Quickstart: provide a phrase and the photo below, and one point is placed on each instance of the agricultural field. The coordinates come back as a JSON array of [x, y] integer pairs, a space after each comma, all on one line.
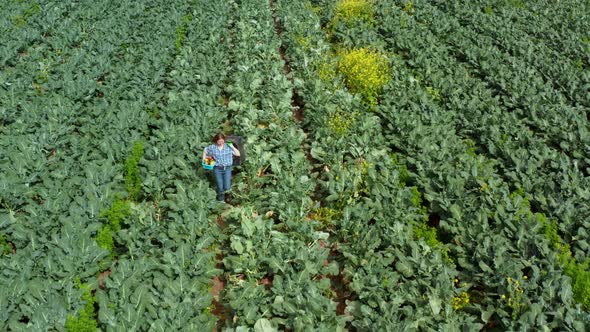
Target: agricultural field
[[411, 165]]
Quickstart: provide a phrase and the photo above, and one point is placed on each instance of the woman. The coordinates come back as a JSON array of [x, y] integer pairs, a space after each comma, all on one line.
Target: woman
[[223, 155]]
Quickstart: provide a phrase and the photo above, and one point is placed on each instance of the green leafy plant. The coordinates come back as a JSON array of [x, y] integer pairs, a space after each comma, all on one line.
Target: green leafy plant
[[580, 281], [132, 178], [434, 93], [44, 70], [104, 238], [578, 272], [514, 3], [470, 147], [408, 7], [181, 31], [429, 235], [580, 64], [119, 210], [550, 231], [325, 215], [21, 20], [404, 175], [416, 200], [303, 41], [85, 321], [522, 204], [154, 112], [422, 230], [327, 70], [362, 168], [515, 298], [5, 247]]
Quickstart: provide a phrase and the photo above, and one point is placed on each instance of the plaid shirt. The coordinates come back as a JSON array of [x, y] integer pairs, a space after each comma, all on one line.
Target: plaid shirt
[[223, 157]]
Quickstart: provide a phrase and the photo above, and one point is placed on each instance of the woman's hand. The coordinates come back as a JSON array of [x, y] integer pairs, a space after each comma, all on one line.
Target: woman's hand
[[236, 152]]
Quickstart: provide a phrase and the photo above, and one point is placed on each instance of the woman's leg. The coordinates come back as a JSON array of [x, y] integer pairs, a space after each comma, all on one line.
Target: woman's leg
[[219, 179], [227, 179]]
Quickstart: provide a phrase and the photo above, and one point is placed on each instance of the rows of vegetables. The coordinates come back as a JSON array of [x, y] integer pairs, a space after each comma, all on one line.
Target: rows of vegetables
[[467, 139], [375, 216], [273, 257], [539, 134], [410, 165], [105, 222]]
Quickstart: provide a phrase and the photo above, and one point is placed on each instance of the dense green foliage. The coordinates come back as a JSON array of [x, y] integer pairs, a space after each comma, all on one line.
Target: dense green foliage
[[181, 31], [5, 247], [412, 165], [85, 321], [104, 238], [119, 210], [580, 274], [132, 178]]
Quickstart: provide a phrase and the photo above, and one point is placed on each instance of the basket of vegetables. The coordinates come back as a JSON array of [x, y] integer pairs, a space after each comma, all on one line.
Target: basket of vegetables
[[209, 163]]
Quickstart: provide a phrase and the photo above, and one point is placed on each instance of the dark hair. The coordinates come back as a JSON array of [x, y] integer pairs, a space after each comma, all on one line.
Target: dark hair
[[217, 137]]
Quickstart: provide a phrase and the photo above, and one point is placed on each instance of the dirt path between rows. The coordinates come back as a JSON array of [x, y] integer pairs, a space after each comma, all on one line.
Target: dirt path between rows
[[218, 286]]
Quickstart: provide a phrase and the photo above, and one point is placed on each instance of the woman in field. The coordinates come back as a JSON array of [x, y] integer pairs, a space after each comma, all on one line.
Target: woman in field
[[223, 155]]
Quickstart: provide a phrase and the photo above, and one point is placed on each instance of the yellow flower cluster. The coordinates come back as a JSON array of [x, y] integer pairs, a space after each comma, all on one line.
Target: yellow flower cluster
[[340, 122], [312, 8], [408, 7], [460, 301], [515, 298], [362, 167], [365, 72], [327, 71], [303, 41], [348, 10], [325, 215], [433, 93]]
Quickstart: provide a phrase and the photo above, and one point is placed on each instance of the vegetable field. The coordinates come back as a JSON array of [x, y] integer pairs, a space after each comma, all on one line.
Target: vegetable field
[[412, 165]]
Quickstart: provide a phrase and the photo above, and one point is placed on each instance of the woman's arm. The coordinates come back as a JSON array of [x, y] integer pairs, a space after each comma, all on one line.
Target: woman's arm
[[204, 154], [235, 152]]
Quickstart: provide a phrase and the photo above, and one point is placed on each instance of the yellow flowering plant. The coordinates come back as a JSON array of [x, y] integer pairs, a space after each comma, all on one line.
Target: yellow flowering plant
[[340, 122], [325, 215], [326, 69], [349, 10], [515, 296], [460, 301], [365, 71]]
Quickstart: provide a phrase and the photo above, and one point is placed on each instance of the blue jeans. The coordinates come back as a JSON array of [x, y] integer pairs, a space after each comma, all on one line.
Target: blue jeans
[[223, 178]]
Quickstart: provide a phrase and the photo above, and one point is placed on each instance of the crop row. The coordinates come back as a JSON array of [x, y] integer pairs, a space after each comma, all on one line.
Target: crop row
[[274, 258], [166, 274]]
